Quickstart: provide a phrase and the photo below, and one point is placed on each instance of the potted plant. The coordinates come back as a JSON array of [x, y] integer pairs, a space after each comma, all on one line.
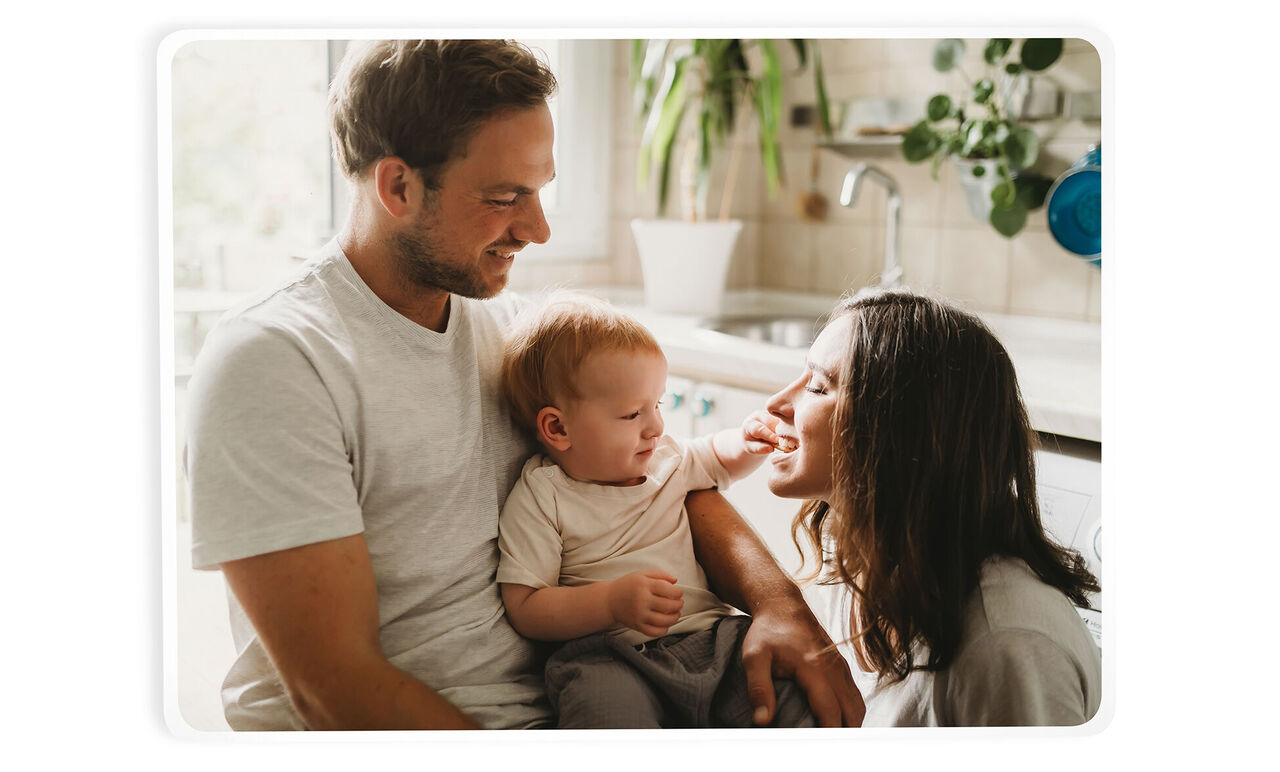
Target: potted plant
[[981, 133], [690, 95]]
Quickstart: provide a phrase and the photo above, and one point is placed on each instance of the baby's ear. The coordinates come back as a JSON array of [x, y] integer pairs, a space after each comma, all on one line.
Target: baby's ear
[[551, 429]]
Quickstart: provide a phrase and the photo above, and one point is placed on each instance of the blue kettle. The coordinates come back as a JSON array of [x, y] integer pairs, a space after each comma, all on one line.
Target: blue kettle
[[1075, 207]]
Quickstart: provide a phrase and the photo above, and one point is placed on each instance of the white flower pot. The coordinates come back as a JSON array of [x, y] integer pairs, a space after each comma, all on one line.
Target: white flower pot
[[977, 190], [685, 264]]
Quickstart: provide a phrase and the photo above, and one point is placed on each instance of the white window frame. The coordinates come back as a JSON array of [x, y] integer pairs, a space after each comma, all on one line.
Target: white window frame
[[583, 114]]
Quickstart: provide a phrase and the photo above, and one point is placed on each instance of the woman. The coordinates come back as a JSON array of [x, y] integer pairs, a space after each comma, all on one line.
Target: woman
[[914, 450]]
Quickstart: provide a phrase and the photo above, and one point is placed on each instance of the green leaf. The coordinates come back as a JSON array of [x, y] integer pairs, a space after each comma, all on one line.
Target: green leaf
[[977, 142], [939, 107], [1008, 221], [947, 54], [919, 142], [1013, 68], [647, 57], [769, 108], [982, 90], [802, 49], [996, 49], [1032, 189], [1038, 53], [820, 89], [1003, 194], [660, 129], [702, 178], [978, 171], [1021, 147]]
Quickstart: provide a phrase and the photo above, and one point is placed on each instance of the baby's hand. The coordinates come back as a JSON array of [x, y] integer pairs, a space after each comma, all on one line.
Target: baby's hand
[[758, 434], [647, 601]]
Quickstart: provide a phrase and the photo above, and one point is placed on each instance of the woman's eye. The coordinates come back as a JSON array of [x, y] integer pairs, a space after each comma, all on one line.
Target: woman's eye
[[813, 388]]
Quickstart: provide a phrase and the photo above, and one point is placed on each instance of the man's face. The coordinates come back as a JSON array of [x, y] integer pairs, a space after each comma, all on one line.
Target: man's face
[[486, 209]]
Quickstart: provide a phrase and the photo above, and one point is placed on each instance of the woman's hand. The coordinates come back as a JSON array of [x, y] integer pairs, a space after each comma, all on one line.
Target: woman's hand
[[646, 601], [758, 433]]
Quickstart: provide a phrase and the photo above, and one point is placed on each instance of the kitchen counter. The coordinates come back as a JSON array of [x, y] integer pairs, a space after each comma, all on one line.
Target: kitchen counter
[[1059, 362]]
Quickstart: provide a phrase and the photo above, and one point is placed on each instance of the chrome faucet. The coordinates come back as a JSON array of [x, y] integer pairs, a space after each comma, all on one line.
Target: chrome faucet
[[891, 276]]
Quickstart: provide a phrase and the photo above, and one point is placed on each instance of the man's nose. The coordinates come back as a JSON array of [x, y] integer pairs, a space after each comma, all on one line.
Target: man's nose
[[532, 225]]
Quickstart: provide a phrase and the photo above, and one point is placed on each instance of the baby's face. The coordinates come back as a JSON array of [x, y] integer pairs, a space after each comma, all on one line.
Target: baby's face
[[615, 426]]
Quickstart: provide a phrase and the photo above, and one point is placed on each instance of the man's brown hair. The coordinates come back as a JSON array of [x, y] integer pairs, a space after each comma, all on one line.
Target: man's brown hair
[[422, 100]]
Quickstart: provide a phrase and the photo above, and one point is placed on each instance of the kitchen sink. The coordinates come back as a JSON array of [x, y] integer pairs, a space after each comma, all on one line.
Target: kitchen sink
[[790, 331]]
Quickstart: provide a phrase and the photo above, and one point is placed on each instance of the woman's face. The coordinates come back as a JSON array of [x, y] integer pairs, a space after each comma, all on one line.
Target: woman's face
[[806, 413]]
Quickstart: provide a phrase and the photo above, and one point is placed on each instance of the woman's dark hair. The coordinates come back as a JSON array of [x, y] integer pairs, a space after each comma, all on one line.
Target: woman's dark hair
[[934, 472]]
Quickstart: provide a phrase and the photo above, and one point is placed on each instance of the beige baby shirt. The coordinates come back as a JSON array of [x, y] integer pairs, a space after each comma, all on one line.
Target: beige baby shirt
[[557, 531]]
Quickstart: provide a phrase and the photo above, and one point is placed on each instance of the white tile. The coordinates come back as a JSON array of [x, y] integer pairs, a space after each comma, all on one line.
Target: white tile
[[786, 256], [973, 266], [919, 82], [847, 257], [1045, 279], [921, 194], [919, 257], [906, 52]]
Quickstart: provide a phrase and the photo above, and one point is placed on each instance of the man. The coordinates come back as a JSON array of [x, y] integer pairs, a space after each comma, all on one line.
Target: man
[[348, 451]]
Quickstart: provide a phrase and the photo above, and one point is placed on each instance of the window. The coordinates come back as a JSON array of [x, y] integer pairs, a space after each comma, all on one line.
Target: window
[[254, 188], [577, 202]]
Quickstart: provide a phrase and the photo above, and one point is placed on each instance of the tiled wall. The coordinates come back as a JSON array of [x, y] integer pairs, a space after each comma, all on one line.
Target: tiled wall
[[943, 248]]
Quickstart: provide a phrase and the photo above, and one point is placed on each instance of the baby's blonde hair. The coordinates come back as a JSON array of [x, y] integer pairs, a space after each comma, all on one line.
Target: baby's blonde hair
[[548, 343]]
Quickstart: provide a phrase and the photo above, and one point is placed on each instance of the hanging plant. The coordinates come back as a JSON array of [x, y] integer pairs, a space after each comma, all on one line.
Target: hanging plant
[[981, 127]]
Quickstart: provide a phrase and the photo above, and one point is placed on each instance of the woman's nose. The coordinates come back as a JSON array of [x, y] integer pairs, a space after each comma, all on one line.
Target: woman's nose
[[779, 404]]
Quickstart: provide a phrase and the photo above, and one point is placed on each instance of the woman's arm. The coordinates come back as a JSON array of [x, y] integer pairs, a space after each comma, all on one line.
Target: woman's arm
[[784, 639]]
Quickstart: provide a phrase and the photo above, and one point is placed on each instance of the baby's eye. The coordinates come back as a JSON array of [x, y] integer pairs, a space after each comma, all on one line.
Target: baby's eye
[[632, 417]]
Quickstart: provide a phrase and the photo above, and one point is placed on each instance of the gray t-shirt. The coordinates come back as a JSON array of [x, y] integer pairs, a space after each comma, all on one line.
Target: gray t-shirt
[[318, 412], [1025, 659]]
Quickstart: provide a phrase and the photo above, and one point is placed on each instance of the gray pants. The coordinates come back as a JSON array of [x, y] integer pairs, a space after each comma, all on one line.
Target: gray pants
[[694, 680]]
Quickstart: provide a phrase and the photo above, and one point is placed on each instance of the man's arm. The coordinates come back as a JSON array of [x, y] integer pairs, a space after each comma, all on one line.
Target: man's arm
[[315, 609], [785, 639]]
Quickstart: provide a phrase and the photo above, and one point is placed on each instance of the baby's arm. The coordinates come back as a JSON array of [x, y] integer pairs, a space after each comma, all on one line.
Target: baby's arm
[[742, 449], [646, 601]]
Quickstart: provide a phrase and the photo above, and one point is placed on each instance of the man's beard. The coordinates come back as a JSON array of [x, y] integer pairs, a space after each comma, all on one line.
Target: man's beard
[[420, 266]]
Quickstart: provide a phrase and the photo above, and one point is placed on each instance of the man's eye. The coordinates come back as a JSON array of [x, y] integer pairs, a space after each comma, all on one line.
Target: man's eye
[[497, 202]]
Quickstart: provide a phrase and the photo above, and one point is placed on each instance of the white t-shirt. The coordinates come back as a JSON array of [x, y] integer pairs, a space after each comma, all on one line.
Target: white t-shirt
[[318, 412], [1025, 659], [556, 531]]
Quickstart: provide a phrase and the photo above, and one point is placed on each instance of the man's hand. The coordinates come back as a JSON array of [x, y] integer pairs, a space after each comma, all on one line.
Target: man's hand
[[784, 638], [787, 642], [646, 601]]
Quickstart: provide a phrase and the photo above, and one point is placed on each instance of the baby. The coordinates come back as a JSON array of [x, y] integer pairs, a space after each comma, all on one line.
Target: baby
[[594, 538]]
